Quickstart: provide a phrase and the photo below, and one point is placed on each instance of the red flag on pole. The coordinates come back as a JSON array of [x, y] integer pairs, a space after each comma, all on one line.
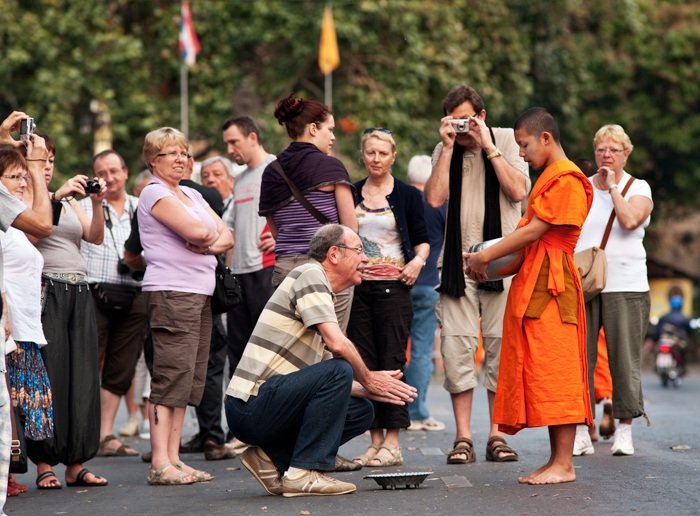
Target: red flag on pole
[[189, 44], [328, 55]]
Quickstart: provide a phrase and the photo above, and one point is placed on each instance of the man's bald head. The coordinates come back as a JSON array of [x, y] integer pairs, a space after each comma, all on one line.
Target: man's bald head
[[536, 121]]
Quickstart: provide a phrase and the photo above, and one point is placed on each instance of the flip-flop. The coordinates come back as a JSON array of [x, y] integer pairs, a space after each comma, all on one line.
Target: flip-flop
[[53, 484], [80, 480]]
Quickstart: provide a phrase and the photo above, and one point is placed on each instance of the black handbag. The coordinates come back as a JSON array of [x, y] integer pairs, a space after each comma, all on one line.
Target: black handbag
[[227, 292], [18, 449], [113, 297]]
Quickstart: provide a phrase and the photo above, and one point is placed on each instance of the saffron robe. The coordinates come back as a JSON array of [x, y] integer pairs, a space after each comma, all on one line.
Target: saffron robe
[[543, 374], [602, 381]]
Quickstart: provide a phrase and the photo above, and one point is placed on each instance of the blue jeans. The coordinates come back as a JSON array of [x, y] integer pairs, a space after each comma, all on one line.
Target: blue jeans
[[300, 419], [420, 368]]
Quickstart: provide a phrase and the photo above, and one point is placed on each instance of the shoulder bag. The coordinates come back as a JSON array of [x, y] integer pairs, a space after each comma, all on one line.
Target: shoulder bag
[[227, 291], [592, 264], [18, 449]]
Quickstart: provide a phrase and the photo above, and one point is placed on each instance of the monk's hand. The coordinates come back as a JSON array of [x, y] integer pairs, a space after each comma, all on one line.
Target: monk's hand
[[387, 387], [475, 266]]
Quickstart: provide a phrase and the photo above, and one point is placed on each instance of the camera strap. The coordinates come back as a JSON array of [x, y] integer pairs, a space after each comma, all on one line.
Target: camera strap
[[109, 224]]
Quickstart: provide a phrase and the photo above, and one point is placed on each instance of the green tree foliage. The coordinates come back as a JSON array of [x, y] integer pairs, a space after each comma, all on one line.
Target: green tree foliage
[[631, 62]]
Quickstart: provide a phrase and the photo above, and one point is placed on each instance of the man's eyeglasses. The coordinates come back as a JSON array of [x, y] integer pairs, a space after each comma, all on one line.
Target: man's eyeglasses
[[17, 177], [174, 155], [380, 129], [359, 249], [603, 150]]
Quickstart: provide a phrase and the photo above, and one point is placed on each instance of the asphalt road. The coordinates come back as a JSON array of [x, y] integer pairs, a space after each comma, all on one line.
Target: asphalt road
[[657, 480]]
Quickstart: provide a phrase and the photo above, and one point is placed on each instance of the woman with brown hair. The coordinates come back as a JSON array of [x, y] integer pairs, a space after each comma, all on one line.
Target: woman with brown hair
[[320, 178]]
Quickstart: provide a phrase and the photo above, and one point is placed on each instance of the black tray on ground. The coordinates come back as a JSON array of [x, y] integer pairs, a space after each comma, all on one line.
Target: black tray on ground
[[406, 480]]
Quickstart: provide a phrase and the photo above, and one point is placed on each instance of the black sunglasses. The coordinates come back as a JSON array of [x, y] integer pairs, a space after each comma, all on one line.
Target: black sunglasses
[[380, 129]]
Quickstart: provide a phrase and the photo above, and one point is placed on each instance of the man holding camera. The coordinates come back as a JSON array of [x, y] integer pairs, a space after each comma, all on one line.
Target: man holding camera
[[119, 307], [479, 171]]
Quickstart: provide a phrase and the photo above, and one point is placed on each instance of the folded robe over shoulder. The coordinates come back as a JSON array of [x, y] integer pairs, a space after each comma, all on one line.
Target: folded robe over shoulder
[[543, 375]]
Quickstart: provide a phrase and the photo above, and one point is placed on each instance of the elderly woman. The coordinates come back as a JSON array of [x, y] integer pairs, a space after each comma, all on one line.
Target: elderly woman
[[68, 319], [393, 233], [181, 235], [22, 265], [622, 308], [320, 178]]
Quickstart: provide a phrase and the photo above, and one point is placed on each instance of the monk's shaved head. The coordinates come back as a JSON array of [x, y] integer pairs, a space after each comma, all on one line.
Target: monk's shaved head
[[537, 120]]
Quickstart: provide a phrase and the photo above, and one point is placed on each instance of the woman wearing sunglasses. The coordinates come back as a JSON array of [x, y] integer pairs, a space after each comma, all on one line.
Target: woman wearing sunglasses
[[395, 239], [322, 180]]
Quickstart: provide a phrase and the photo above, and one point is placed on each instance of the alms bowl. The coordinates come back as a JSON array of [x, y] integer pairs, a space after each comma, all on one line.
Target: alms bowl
[[501, 267]]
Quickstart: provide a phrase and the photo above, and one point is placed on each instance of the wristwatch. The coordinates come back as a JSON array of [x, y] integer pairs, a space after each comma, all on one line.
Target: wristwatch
[[610, 188], [494, 154]]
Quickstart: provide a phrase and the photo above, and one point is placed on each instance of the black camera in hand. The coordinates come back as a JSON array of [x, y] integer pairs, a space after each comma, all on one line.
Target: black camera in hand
[[92, 186], [124, 270]]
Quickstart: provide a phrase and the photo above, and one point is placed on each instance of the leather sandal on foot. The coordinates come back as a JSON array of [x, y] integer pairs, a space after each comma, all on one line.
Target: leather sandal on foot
[[497, 445], [198, 474], [607, 423], [380, 460], [462, 446], [180, 478], [122, 451], [365, 457], [343, 464]]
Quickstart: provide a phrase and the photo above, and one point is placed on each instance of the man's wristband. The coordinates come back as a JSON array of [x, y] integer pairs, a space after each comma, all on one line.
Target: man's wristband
[[494, 154]]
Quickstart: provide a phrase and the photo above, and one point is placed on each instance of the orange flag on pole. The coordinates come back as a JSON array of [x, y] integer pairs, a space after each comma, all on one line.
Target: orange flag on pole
[[328, 56]]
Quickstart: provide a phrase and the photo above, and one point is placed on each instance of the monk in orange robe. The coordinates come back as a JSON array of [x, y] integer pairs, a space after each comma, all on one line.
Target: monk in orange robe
[[602, 391], [543, 375]]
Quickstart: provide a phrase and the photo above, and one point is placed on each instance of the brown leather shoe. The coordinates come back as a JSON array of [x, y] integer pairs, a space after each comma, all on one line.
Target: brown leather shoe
[[194, 445], [213, 451]]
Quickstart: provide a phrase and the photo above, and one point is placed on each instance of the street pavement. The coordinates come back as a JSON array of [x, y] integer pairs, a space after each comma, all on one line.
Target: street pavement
[[662, 478]]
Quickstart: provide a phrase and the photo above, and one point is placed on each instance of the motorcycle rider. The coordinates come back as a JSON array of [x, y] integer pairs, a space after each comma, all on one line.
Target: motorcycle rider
[[675, 327]]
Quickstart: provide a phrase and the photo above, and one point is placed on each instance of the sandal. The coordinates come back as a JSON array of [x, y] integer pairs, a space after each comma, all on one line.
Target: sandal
[[81, 481], [53, 481], [607, 423], [497, 445], [365, 457], [156, 478], [462, 446], [394, 459], [343, 464], [198, 474], [122, 451]]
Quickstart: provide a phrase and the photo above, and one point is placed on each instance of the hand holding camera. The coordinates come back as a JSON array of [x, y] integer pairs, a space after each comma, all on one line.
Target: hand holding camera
[[12, 123], [82, 186]]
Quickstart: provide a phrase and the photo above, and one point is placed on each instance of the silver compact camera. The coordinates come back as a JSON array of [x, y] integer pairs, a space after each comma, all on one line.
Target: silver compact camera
[[26, 129], [461, 125]]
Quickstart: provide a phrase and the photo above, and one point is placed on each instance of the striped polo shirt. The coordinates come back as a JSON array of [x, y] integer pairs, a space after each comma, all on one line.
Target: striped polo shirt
[[285, 338]]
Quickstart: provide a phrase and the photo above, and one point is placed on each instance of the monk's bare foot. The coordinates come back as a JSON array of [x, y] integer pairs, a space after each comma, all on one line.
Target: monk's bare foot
[[526, 479], [553, 475]]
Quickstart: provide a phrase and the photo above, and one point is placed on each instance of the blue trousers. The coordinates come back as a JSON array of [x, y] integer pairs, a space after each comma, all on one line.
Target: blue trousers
[[300, 419], [420, 368]]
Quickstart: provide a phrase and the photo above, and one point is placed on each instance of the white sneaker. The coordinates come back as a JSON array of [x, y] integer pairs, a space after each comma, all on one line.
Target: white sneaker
[[130, 426], [145, 430], [622, 444], [583, 444]]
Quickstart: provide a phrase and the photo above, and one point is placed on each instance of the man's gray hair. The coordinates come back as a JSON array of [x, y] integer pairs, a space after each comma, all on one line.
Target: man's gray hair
[[419, 169], [220, 159], [326, 237]]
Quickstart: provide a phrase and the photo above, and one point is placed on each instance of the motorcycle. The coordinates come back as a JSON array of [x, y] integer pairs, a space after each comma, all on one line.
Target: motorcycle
[[670, 365]]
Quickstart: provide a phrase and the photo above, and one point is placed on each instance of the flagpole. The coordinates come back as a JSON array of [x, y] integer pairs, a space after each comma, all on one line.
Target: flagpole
[[184, 99], [328, 90]]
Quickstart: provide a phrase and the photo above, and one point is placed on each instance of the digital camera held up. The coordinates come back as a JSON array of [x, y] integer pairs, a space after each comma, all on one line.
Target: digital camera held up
[[124, 270], [26, 129], [461, 125], [93, 186]]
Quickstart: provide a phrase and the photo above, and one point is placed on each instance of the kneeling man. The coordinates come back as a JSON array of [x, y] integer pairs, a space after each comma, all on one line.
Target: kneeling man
[[299, 391]]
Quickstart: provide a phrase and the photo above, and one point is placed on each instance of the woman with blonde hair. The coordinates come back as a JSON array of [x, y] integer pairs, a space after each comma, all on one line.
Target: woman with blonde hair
[[395, 239], [622, 308], [181, 235]]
